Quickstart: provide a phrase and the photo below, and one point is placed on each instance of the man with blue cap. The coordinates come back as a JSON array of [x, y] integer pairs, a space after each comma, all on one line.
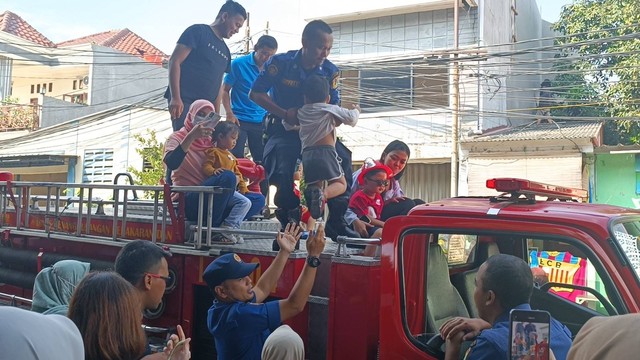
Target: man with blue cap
[[238, 319]]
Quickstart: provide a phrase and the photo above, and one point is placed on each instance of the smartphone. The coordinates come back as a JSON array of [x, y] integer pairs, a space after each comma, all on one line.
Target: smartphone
[[529, 334], [365, 219]]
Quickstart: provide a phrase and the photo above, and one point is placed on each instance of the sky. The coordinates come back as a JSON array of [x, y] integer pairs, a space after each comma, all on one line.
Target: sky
[[162, 21]]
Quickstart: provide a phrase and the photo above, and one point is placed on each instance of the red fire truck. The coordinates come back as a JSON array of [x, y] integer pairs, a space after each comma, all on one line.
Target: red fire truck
[[586, 259]]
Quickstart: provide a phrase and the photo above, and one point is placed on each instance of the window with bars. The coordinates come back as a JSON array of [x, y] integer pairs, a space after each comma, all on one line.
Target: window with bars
[[97, 166], [395, 86]]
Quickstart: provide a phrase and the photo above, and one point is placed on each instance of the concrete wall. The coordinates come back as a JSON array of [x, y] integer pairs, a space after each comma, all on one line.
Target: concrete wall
[[115, 79], [616, 180], [6, 64], [423, 31], [516, 84], [524, 82], [495, 29], [428, 135], [118, 78], [54, 110], [108, 131], [36, 77]]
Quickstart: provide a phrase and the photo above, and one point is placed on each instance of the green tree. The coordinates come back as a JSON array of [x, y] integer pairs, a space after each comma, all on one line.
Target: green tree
[[151, 151], [599, 64]]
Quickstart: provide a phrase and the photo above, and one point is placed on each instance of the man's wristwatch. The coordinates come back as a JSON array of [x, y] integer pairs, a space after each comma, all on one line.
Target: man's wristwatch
[[313, 261]]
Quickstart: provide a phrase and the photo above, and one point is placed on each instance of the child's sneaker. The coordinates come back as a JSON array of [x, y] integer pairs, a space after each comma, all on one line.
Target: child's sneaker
[[230, 236], [239, 239], [314, 197]]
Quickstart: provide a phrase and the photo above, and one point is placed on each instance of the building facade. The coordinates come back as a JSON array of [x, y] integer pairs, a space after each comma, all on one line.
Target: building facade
[[78, 77]]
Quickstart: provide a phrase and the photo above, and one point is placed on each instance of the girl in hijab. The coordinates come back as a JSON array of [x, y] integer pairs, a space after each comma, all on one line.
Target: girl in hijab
[[184, 155], [54, 286]]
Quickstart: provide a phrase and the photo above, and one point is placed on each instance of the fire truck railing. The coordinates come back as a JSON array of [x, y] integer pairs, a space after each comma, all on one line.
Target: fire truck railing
[[12, 300], [342, 241], [17, 196]]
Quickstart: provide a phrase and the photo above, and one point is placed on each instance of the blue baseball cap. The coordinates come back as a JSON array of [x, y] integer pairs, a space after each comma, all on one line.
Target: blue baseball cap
[[227, 266]]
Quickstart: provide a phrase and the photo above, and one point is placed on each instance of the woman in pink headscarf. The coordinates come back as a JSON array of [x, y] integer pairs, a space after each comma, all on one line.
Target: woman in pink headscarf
[[184, 155]]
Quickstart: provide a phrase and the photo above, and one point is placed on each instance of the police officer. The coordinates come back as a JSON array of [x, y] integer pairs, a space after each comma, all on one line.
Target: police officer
[[284, 75]]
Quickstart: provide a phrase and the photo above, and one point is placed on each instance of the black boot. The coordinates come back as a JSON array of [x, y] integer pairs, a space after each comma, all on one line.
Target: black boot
[[336, 225]]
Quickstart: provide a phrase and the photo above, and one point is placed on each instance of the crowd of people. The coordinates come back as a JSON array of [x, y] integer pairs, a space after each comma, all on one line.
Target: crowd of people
[[286, 107]]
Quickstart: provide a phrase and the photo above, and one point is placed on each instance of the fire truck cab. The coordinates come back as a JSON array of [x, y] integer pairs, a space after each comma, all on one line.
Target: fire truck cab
[[585, 258]]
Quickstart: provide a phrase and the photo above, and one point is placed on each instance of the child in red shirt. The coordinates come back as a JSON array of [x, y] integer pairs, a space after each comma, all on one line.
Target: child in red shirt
[[367, 202]]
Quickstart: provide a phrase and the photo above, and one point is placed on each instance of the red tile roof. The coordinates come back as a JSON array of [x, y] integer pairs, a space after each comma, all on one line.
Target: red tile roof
[[123, 40], [15, 25]]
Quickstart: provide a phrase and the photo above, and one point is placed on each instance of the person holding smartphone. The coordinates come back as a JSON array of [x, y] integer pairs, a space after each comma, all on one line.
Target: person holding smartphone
[[184, 156], [504, 283]]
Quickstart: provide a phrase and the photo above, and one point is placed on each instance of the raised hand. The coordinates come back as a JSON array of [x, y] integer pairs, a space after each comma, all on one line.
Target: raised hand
[[316, 241], [289, 238], [178, 347]]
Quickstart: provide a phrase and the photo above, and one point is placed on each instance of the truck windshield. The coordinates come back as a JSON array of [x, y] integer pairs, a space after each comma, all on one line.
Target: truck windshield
[[628, 236]]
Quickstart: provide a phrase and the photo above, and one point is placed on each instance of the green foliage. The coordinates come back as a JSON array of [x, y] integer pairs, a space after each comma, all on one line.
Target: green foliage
[[601, 77], [151, 151], [15, 116]]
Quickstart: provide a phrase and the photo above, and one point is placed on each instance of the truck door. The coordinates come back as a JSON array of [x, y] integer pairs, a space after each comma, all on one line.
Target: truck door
[[429, 264], [415, 281]]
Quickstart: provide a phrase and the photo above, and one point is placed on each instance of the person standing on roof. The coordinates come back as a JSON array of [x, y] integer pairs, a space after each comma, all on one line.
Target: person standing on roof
[[199, 60]]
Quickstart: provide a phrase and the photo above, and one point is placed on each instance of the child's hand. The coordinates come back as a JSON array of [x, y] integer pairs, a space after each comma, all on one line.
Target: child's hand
[[396, 199], [218, 171], [361, 227]]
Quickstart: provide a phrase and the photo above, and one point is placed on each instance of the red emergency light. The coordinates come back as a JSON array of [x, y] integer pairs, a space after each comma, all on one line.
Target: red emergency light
[[523, 186]]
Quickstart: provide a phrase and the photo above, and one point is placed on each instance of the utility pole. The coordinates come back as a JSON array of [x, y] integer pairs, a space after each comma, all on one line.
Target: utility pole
[[266, 30], [455, 123], [247, 33]]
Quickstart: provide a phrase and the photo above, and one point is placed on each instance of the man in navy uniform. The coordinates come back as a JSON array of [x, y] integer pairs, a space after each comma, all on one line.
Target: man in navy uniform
[[240, 320], [284, 75]]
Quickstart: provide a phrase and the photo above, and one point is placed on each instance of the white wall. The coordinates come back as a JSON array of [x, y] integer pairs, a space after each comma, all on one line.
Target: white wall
[[426, 134], [419, 31], [115, 79], [495, 29], [108, 130]]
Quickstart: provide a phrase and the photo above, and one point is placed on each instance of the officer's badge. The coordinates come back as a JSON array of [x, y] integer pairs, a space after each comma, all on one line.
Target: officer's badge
[[237, 258], [334, 81], [272, 70]]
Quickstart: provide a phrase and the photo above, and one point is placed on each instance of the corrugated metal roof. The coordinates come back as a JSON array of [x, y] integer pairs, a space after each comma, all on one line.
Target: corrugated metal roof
[[545, 131]]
